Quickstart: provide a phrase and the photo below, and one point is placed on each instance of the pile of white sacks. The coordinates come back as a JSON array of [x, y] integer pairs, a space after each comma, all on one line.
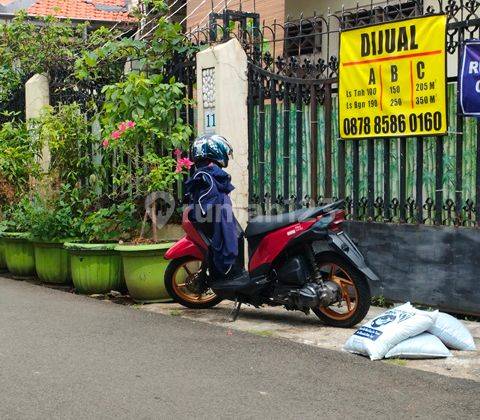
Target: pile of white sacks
[[409, 333]]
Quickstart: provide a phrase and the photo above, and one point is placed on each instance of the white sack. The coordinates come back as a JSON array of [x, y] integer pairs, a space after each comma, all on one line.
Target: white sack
[[422, 346], [377, 337], [452, 333]]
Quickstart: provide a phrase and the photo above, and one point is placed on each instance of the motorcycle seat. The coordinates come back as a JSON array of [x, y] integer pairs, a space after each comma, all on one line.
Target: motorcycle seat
[[263, 224]]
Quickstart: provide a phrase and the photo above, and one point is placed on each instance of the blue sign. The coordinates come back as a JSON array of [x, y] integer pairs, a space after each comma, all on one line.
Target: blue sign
[[470, 79]]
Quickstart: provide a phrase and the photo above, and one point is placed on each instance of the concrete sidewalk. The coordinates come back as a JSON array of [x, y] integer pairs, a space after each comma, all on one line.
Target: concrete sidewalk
[[295, 326]]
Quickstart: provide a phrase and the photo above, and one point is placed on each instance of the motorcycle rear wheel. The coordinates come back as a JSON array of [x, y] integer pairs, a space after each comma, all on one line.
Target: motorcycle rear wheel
[[180, 277], [355, 291]]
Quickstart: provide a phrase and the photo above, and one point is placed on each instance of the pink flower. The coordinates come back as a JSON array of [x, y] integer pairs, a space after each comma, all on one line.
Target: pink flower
[[116, 135], [130, 124], [185, 162], [105, 143], [122, 127], [178, 153]]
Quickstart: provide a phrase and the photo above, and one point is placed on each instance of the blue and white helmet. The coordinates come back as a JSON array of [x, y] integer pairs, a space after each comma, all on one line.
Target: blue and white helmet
[[212, 147]]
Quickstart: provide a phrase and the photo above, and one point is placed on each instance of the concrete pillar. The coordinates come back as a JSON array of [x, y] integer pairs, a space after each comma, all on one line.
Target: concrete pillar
[[222, 109], [37, 97]]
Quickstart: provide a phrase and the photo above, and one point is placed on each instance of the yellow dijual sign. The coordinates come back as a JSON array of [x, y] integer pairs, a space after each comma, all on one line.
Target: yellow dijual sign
[[393, 79]]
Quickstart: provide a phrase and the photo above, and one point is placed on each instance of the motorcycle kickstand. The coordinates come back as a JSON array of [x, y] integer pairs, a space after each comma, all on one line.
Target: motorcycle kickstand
[[233, 315]]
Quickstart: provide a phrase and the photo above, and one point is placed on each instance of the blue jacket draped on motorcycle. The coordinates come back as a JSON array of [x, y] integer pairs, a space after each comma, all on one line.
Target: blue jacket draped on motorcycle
[[208, 189]]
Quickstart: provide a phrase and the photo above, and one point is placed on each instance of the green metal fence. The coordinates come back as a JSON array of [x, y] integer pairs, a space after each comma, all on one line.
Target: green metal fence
[[429, 164]]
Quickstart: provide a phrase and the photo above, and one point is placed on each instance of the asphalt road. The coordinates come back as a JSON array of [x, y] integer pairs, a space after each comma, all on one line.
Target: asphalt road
[[64, 356]]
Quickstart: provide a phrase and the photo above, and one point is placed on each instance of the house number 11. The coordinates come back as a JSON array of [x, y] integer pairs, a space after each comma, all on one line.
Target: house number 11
[[210, 120]]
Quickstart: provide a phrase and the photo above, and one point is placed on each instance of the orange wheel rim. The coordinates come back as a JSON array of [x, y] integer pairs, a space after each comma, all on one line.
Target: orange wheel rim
[[184, 285], [348, 305]]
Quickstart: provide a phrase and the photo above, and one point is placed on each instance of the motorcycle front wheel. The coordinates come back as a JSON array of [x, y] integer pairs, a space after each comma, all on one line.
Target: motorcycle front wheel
[[182, 284], [354, 289]]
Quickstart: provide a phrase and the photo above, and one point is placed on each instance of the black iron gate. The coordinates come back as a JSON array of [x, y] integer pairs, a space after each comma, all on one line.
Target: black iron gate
[[13, 107], [287, 98], [296, 158]]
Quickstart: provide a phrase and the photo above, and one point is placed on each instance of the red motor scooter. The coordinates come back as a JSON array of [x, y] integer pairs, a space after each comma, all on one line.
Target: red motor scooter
[[302, 260]]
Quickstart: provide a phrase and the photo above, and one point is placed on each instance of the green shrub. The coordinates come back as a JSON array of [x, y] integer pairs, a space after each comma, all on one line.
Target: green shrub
[[18, 217], [54, 220], [111, 224], [68, 134], [19, 153]]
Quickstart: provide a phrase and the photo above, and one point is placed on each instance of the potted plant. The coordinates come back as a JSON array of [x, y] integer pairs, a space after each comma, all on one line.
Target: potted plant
[[96, 267], [18, 248], [77, 191], [161, 132], [141, 127], [19, 254], [54, 222], [18, 166]]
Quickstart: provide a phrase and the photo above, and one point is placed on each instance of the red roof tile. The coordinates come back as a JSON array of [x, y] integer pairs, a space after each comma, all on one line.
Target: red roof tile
[[89, 10]]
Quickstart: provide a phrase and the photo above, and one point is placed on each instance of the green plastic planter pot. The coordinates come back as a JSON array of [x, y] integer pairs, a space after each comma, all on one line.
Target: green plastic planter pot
[[52, 262], [144, 268], [19, 254], [95, 268], [3, 261]]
